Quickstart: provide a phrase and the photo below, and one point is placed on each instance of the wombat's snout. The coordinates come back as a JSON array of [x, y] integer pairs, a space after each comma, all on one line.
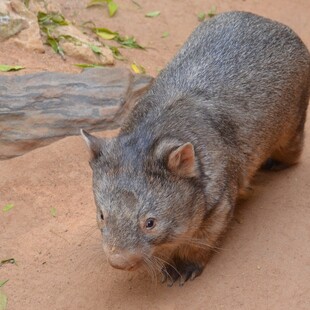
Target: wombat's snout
[[125, 261]]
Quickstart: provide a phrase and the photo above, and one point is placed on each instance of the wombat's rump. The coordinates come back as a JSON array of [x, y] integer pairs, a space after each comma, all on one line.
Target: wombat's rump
[[233, 98]]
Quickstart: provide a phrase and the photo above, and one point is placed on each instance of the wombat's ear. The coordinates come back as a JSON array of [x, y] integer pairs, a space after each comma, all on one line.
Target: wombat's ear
[[182, 161], [94, 144]]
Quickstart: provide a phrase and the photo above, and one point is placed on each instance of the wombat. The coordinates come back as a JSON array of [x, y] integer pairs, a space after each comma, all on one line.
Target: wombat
[[233, 99]]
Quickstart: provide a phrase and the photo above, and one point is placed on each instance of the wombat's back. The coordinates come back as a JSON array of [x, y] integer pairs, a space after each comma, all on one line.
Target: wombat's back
[[249, 69], [244, 83], [237, 54]]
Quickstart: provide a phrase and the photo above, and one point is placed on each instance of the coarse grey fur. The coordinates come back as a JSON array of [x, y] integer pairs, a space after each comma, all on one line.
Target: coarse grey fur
[[234, 97]]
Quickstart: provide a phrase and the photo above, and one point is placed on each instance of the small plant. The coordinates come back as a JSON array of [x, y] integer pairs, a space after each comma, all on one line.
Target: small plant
[[10, 206], [7, 68], [165, 34], [152, 14], [124, 41], [47, 23], [112, 6], [136, 68], [211, 13]]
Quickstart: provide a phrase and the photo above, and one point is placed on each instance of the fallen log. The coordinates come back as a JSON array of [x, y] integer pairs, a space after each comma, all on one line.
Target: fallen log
[[38, 109]]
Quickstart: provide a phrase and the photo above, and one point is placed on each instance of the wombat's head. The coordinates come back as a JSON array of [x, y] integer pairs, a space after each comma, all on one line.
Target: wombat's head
[[147, 194]]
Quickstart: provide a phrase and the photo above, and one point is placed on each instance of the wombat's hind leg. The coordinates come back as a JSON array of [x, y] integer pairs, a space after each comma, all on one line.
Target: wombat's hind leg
[[286, 156]]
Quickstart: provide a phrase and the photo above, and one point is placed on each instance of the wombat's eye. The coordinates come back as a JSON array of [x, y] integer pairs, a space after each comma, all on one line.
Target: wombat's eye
[[101, 216], [150, 223]]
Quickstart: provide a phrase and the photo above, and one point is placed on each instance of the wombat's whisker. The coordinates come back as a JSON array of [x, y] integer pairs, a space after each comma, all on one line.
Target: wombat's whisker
[[197, 243], [158, 264], [165, 263], [150, 267], [89, 234]]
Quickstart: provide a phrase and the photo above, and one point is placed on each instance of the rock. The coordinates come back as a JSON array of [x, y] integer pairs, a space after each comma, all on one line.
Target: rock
[[83, 54], [20, 24], [80, 49], [40, 108], [22, 28], [36, 6], [10, 26]]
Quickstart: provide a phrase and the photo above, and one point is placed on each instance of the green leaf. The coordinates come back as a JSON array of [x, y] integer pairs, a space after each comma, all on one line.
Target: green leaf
[[125, 41], [26, 2], [112, 7], [152, 14], [48, 22], [212, 11], [201, 16], [8, 261], [165, 34], [105, 33], [137, 68], [7, 68], [116, 53], [129, 42], [68, 38], [95, 49], [53, 212], [3, 301], [53, 42], [3, 282], [51, 19], [8, 207], [42, 17], [96, 2], [88, 66]]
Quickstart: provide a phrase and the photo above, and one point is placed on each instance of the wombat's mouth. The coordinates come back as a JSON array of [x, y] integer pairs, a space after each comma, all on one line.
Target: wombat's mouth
[[135, 267], [129, 267], [123, 262]]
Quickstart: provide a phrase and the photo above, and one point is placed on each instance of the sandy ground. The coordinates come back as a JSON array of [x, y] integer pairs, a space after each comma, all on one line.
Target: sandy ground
[[264, 262]]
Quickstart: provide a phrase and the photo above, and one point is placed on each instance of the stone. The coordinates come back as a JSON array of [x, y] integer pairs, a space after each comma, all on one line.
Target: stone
[[21, 27], [83, 54], [19, 24], [37, 109], [36, 6], [10, 26], [80, 49]]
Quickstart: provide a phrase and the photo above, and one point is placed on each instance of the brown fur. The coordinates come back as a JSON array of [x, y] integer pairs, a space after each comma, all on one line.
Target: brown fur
[[232, 100]]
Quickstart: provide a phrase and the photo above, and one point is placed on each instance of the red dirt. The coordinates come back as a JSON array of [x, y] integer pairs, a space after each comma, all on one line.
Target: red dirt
[[264, 262]]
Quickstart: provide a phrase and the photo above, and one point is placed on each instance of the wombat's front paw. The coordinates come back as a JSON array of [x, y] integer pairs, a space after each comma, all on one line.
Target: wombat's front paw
[[181, 271]]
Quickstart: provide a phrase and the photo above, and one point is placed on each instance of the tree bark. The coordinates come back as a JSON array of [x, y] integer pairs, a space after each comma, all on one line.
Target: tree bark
[[37, 109]]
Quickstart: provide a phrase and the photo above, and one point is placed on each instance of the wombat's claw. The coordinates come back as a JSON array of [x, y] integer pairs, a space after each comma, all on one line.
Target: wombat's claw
[[182, 272], [190, 273], [170, 275]]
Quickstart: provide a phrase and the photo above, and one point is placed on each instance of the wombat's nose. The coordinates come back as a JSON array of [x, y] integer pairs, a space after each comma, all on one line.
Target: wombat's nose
[[125, 261]]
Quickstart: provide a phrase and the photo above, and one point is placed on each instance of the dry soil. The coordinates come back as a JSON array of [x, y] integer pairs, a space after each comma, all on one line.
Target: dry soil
[[264, 262]]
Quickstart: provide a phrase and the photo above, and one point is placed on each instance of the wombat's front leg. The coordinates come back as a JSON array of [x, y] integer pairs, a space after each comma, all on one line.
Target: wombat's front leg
[[184, 268], [188, 260]]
